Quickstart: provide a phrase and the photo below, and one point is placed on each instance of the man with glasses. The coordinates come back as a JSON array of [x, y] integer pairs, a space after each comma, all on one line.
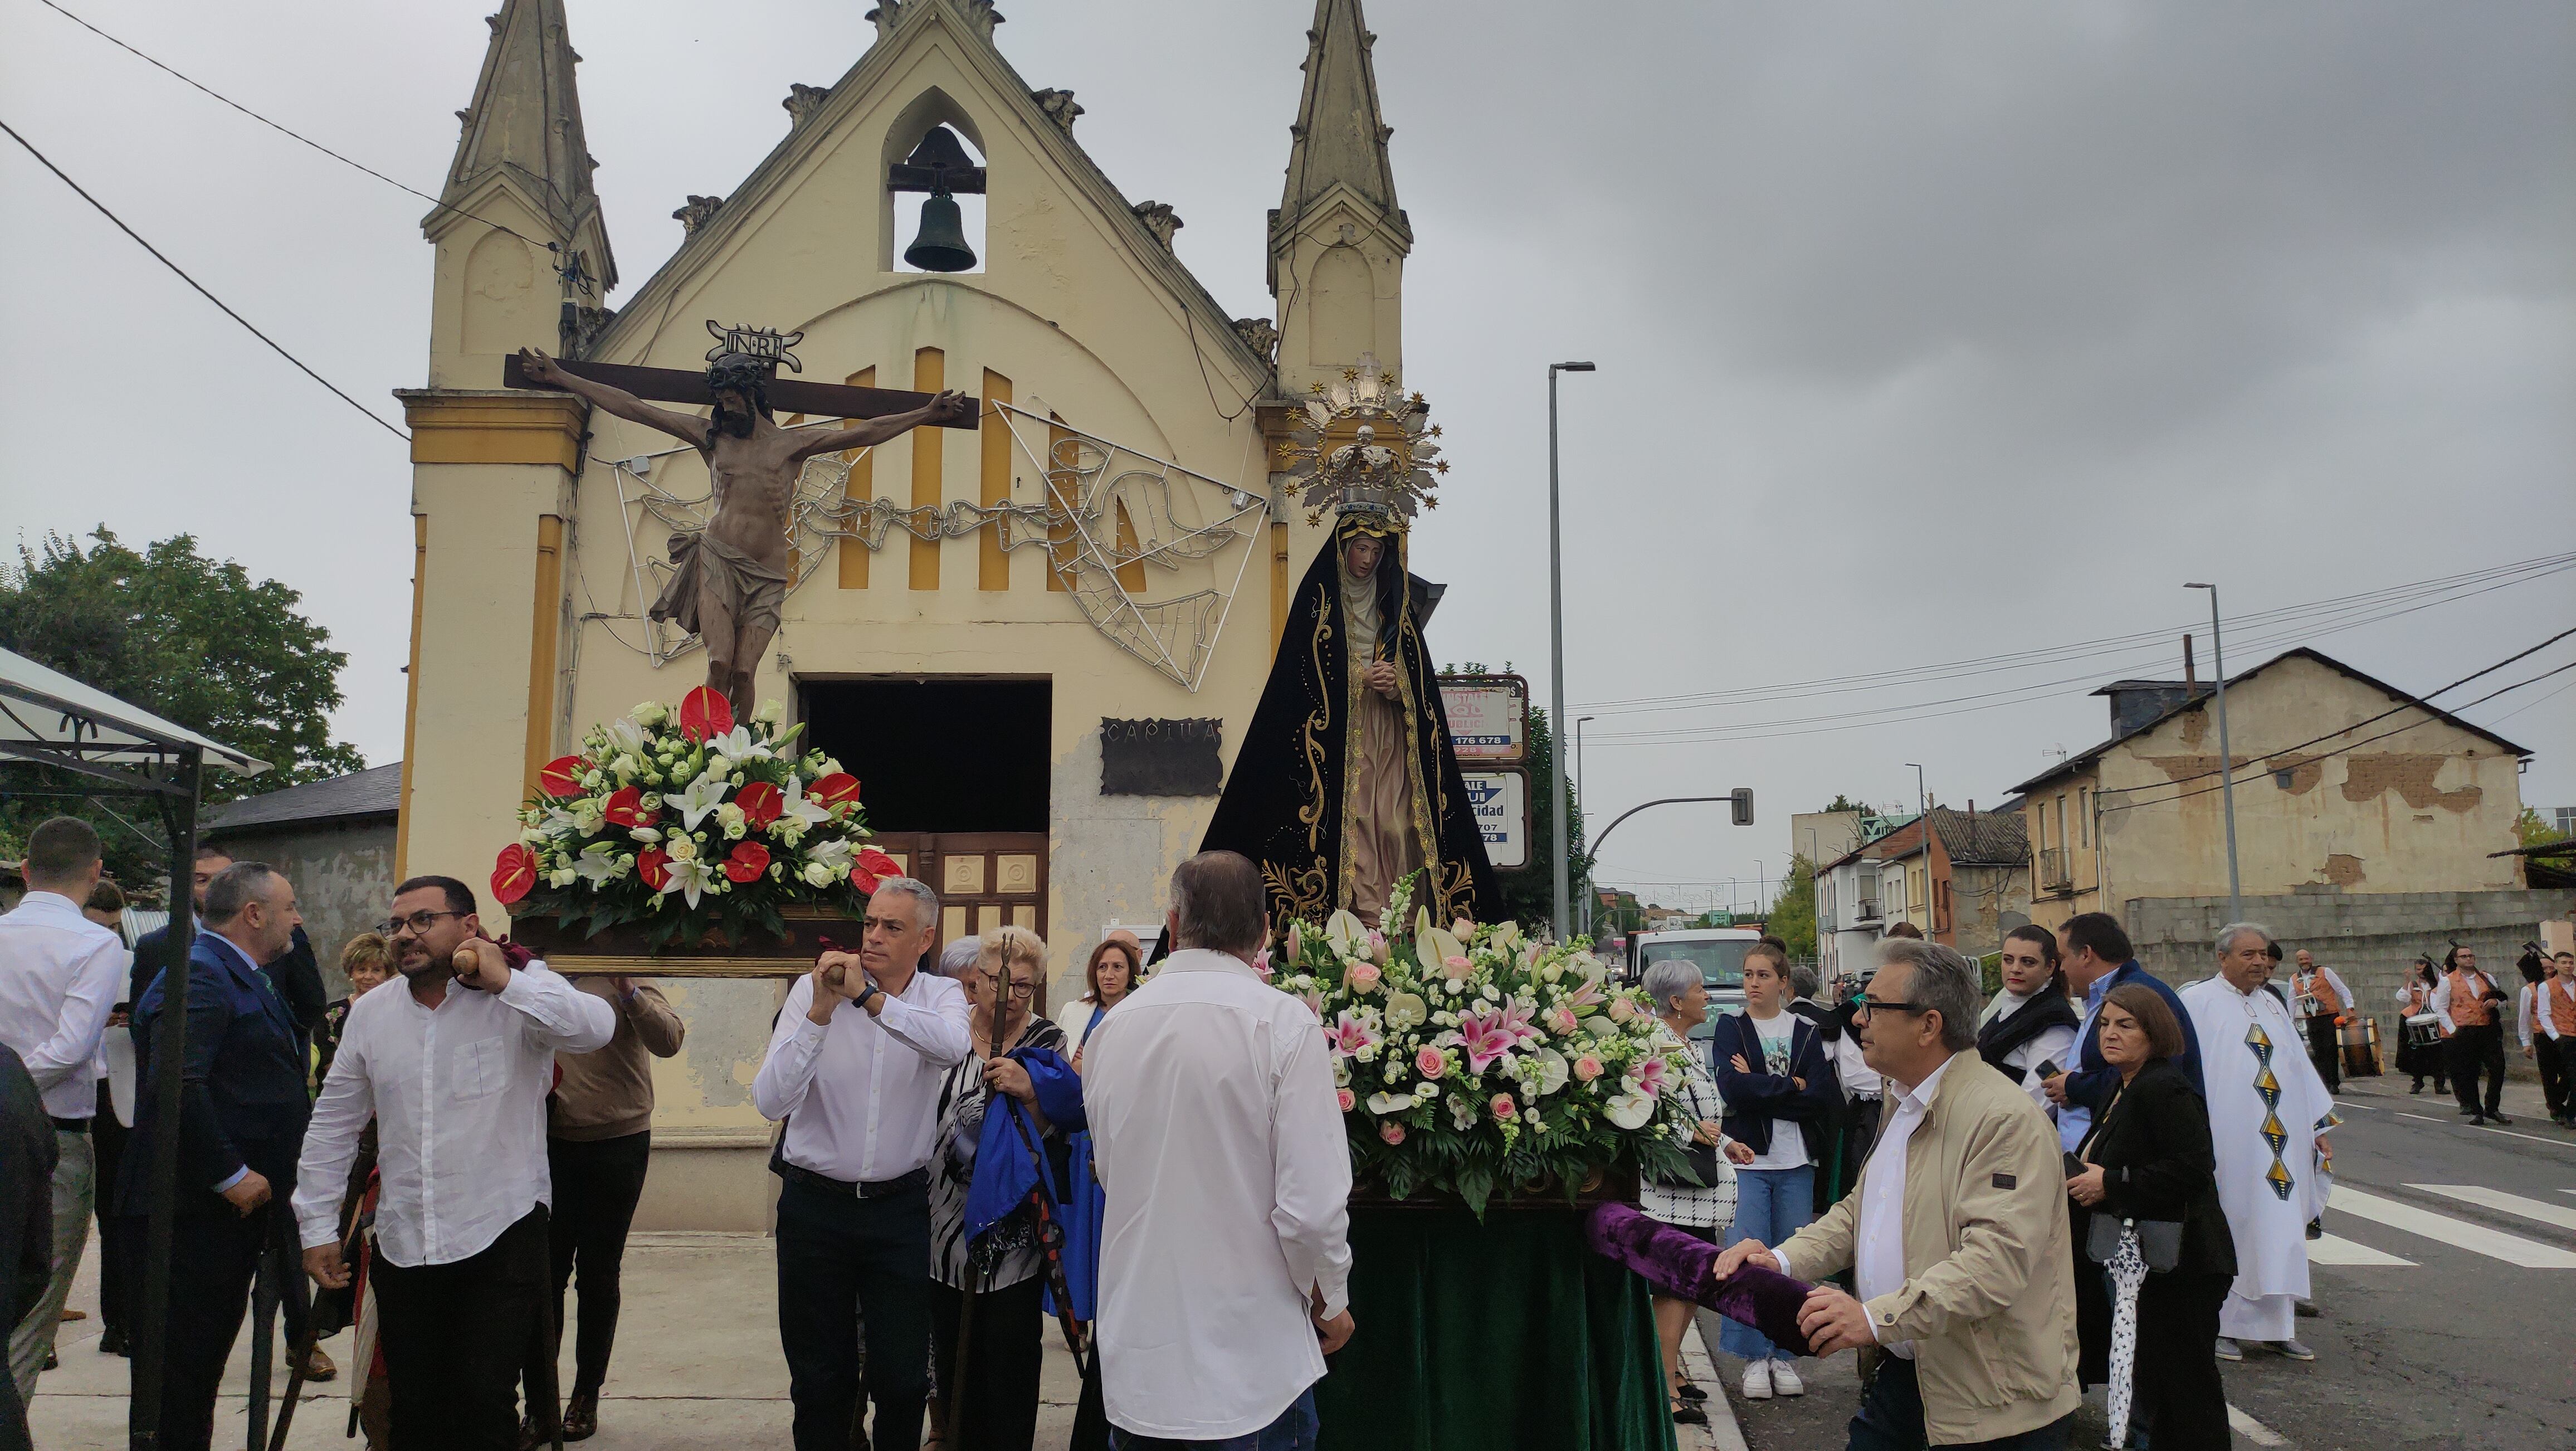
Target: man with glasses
[[854, 1067], [455, 1069], [1956, 1234]]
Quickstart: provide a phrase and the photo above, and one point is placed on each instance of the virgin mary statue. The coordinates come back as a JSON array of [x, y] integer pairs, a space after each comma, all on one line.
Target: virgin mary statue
[[1346, 782]]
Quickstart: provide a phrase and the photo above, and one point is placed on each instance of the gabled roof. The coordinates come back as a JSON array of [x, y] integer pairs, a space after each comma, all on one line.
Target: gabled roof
[[1982, 838], [2078, 762], [376, 791], [974, 39]]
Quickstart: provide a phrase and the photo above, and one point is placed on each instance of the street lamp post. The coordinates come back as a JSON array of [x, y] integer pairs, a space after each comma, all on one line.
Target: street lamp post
[[1588, 893], [1923, 814], [2226, 757], [1556, 653]]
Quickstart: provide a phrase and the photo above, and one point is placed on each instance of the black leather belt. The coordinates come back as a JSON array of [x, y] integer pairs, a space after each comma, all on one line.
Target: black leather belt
[[71, 1125], [918, 1179]]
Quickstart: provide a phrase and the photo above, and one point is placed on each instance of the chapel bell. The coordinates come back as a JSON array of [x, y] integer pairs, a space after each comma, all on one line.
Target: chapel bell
[[941, 167]]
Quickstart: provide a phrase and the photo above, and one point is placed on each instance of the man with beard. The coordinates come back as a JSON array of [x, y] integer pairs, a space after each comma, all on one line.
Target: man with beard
[[454, 1069], [731, 578]]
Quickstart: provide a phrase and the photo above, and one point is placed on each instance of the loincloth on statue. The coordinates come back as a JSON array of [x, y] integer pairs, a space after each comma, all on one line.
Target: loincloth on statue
[[756, 590]]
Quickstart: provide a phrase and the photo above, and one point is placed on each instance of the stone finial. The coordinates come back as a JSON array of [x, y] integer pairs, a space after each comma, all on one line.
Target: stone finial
[[1159, 219], [1058, 106], [802, 102], [887, 15], [982, 15], [1259, 334], [695, 214]]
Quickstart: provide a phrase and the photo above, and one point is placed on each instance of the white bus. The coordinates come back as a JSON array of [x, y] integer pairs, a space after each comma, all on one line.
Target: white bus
[[1718, 953]]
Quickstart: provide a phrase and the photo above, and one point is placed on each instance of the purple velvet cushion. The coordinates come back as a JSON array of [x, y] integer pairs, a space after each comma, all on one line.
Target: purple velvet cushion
[[1678, 1265]]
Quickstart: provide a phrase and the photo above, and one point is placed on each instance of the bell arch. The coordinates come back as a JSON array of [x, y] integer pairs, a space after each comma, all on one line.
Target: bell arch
[[899, 213]]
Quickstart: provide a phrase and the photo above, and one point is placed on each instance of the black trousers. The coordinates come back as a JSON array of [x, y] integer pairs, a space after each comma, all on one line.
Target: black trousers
[[1891, 1418], [2325, 1051], [212, 1261], [2181, 1403], [844, 1262], [597, 1184], [1006, 1347], [2474, 1050], [2556, 1057], [455, 1337], [119, 1277]]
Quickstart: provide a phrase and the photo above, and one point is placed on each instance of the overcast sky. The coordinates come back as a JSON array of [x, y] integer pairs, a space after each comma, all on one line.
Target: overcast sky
[[1926, 334]]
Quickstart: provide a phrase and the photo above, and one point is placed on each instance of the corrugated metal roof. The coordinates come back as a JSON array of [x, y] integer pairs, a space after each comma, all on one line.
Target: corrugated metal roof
[[376, 791]]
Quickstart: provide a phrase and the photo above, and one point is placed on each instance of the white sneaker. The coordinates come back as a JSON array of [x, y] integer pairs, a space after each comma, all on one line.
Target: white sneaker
[[1757, 1380], [1784, 1381]]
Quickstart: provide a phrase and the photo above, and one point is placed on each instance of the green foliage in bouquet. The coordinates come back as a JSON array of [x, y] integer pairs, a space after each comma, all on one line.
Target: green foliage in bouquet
[[1476, 1061], [687, 821]]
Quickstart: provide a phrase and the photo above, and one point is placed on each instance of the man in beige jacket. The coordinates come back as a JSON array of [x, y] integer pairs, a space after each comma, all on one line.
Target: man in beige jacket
[[1956, 1234]]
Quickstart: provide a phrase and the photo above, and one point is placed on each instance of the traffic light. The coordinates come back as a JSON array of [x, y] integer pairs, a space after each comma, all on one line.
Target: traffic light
[[1742, 799]]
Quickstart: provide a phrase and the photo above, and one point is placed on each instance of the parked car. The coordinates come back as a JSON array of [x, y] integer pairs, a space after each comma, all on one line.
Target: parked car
[[1718, 953]]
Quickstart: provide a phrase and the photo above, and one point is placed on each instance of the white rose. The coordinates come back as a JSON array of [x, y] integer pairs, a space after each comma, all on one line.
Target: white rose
[[770, 713], [717, 766], [682, 849], [563, 878], [650, 713], [817, 875]]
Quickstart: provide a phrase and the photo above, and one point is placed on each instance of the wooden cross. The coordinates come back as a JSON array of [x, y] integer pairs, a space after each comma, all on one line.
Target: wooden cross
[[786, 395]]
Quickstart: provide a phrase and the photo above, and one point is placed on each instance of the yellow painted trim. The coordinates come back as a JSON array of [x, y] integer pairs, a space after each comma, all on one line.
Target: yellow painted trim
[[543, 629], [494, 428], [929, 452], [1278, 586], [411, 690], [859, 488], [992, 562]]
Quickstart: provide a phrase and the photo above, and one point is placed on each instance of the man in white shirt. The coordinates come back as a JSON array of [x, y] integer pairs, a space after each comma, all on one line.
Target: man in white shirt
[[455, 1069], [60, 974], [854, 1067], [1224, 1252], [1956, 1234], [2322, 1002]]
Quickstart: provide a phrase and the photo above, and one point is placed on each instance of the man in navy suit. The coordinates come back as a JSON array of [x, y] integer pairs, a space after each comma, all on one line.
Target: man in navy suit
[[2096, 956], [241, 1127]]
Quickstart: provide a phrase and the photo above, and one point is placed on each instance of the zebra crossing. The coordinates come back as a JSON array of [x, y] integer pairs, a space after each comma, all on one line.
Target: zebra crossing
[[2521, 1251]]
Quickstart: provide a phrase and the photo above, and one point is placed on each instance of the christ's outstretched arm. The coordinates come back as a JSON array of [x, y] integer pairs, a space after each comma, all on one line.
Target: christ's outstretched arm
[[869, 432], [542, 370]]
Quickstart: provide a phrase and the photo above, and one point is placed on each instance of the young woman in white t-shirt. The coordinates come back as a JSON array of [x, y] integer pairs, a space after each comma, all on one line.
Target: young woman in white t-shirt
[[1779, 1089]]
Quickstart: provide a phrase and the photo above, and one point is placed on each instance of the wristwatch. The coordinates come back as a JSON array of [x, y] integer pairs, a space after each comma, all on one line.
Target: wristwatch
[[870, 991]]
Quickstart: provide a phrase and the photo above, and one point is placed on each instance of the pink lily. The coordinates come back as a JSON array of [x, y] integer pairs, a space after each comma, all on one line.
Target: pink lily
[[1483, 1037], [1349, 1033], [1650, 1077], [1514, 1019]]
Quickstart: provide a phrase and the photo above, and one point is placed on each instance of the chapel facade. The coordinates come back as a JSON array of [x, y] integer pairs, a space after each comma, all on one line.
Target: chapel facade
[[976, 617]]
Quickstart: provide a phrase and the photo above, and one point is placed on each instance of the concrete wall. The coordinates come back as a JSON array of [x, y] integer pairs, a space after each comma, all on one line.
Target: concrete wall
[[1980, 898], [343, 874], [2371, 939]]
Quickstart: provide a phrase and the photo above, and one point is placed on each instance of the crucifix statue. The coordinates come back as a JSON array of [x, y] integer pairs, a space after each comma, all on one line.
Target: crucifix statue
[[732, 577]]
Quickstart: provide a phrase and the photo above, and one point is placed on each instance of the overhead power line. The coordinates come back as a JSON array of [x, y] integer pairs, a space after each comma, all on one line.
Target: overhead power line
[[157, 256], [288, 132]]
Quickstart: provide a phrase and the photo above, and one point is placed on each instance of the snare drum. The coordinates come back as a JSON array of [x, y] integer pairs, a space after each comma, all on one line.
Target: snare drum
[[2424, 1030]]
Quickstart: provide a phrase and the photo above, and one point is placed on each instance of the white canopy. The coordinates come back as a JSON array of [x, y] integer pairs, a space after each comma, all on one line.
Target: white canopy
[[50, 718]]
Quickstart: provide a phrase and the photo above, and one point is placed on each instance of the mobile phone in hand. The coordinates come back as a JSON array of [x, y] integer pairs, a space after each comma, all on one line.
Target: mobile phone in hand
[[2048, 1069]]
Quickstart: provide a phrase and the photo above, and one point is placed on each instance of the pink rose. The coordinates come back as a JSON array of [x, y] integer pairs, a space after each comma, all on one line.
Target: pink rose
[[1621, 1010], [1562, 1020], [1462, 929], [1347, 1098], [1587, 1068], [1392, 1133], [1502, 1106], [1363, 977], [1457, 967], [1429, 1061]]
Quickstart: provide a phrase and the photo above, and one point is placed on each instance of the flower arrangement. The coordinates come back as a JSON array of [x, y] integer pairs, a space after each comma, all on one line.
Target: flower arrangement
[[1471, 1058], [686, 804]]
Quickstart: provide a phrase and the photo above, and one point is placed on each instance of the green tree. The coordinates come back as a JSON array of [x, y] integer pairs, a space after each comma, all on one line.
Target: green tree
[[1792, 917], [1842, 802], [192, 639], [2534, 829]]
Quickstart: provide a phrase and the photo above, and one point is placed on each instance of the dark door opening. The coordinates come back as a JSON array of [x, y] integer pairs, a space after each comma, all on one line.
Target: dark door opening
[[939, 755]]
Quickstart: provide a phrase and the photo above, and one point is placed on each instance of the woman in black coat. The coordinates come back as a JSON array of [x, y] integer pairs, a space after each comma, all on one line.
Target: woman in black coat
[[2148, 1156]]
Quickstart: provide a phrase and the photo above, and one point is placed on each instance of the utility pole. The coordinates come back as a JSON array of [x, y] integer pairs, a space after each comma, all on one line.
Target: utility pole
[[1923, 810], [1556, 650], [2226, 758], [1590, 894]]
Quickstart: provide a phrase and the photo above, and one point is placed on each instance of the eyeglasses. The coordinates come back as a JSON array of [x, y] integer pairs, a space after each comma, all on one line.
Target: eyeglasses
[[1863, 1006], [1018, 989], [418, 923]]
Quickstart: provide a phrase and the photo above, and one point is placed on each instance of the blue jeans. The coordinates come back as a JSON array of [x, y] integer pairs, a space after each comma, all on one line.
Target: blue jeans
[[1770, 1205], [1891, 1418], [1295, 1430]]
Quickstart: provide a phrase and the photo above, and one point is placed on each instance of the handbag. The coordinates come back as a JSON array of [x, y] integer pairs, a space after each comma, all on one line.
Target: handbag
[[1703, 1165], [2159, 1241]]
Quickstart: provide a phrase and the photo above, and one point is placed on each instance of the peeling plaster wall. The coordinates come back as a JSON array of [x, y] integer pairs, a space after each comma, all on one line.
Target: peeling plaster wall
[[343, 875], [2414, 812]]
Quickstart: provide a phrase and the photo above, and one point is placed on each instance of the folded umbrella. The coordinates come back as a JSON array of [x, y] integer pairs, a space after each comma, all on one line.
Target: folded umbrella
[[1004, 1174], [1678, 1264]]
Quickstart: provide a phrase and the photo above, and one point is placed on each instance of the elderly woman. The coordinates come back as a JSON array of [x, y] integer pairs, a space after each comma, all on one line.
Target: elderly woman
[[1005, 1268], [1703, 1210]]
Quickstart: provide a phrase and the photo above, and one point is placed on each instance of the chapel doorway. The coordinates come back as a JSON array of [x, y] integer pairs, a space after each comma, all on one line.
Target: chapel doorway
[[953, 772]]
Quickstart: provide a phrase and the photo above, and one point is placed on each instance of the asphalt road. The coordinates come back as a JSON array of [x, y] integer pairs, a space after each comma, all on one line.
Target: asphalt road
[[2448, 1319]]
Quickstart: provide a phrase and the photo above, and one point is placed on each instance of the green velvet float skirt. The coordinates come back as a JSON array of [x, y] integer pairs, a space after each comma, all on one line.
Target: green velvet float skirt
[[1489, 1337]]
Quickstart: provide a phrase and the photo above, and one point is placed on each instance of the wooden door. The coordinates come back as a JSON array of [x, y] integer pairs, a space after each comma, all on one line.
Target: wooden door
[[985, 879]]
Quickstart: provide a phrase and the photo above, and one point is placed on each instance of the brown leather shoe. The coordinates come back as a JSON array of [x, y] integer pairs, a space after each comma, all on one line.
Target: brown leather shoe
[[581, 1417], [320, 1367]]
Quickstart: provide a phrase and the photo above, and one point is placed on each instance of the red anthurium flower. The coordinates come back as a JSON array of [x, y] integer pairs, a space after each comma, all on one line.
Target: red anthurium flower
[[838, 789], [653, 867], [514, 873], [748, 861], [863, 879], [877, 864], [625, 807], [562, 776], [703, 713], [760, 803]]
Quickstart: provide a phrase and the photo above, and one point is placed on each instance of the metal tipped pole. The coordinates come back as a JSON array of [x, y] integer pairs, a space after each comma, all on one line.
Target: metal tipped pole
[[1561, 915]]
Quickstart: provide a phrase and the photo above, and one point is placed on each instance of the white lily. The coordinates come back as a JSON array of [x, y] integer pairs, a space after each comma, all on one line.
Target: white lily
[[689, 878], [702, 797], [598, 863], [798, 807], [736, 745]]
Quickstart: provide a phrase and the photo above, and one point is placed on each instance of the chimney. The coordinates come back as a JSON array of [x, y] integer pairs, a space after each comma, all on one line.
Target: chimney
[[2190, 675], [1972, 806]]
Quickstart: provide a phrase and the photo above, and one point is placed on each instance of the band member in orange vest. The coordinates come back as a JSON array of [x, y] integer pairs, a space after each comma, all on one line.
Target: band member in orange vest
[[2326, 1005], [2555, 1046], [2468, 1002]]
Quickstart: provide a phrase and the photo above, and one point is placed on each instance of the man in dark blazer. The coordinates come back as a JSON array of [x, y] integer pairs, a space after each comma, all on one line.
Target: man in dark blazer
[[27, 1153], [242, 1113]]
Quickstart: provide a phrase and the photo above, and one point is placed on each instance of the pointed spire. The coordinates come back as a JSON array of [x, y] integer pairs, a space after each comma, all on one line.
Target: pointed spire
[[525, 125], [1339, 136]]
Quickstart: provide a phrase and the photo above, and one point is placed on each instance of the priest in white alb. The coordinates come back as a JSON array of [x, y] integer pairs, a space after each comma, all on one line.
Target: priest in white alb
[[2268, 1111]]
